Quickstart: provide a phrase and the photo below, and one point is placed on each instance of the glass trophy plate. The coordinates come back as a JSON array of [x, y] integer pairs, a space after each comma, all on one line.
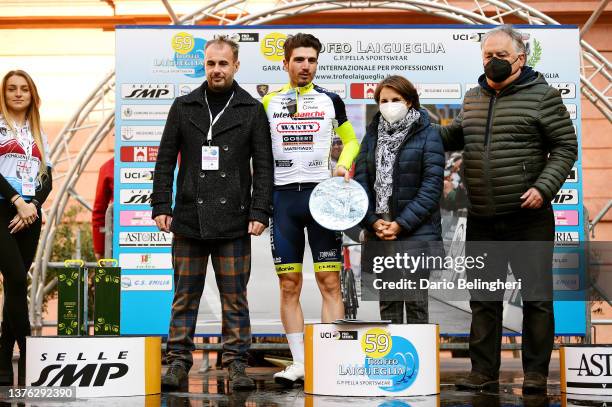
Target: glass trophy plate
[[338, 205]]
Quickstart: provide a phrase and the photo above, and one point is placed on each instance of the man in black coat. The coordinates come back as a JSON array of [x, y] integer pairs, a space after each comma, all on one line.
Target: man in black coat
[[215, 210]]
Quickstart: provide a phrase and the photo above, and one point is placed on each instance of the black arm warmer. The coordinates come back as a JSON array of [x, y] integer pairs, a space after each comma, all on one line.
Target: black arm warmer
[[6, 189]]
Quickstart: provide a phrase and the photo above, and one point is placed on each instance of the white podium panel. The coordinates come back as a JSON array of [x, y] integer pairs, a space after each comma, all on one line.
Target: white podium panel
[[586, 369], [96, 366], [371, 360]]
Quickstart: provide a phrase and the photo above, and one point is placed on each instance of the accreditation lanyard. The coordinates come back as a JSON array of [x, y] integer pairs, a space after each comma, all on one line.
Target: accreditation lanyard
[[213, 121], [28, 187], [210, 154]]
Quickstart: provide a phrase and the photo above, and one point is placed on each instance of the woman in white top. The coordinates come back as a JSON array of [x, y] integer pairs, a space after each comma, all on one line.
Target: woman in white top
[[25, 183]]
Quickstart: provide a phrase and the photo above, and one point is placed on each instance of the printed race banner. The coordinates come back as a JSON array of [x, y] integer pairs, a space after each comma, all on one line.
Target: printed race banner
[[155, 64]]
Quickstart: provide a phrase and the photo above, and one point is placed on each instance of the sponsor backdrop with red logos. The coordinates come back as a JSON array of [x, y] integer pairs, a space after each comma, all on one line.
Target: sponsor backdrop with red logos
[[442, 61]]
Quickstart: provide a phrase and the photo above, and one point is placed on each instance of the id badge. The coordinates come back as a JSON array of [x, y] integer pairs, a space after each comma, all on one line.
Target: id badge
[[210, 158], [28, 187]]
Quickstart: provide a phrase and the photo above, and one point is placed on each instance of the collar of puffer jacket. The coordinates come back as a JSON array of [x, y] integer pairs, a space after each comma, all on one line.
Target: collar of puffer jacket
[[527, 78]]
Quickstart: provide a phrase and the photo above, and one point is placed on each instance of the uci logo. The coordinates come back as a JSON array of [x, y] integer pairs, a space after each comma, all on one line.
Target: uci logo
[[330, 335]]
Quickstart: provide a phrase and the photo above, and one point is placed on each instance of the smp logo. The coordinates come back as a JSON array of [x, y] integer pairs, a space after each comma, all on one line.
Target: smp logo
[[566, 197], [566, 89], [97, 373], [147, 91], [135, 196]]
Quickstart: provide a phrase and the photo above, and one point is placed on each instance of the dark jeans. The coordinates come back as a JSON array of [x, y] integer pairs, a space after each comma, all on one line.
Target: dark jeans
[[534, 268]]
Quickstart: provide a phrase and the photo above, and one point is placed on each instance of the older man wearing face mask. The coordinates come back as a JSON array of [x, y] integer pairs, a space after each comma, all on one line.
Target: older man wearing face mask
[[519, 146]]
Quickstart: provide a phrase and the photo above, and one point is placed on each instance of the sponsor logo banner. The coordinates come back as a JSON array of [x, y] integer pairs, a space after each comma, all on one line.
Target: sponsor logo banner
[[135, 196], [363, 90], [135, 218], [145, 261], [144, 112], [137, 175], [587, 371], [567, 239], [567, 90], [425, 90], [141, 133], [298, 127], [187, 88], [297, 143], [566, 218], [156, 282], [148, 239], [566, 282], [566, 260], [283, 163], [573, 175], [147, 91], [438, 90], [94, 366], [139, 154], [566, 197]]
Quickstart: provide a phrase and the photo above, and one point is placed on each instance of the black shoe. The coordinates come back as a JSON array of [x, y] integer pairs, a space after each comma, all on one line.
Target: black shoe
[[238, 378], [175, 377], [534, 383], [478, 381]]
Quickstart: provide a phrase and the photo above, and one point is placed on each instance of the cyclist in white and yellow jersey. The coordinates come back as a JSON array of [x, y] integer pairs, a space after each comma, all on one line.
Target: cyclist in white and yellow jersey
[[303, 119]]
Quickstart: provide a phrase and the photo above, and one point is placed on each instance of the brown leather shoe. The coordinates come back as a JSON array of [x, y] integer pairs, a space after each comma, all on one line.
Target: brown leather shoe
[[479, 382], [534, 383]]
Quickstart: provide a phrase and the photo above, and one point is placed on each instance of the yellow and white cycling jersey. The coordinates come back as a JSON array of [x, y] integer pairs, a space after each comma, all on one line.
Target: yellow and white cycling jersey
[[302, 123]]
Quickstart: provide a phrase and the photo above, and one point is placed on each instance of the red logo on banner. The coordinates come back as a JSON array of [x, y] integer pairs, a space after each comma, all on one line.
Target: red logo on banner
[[140, 154], [362, 90]]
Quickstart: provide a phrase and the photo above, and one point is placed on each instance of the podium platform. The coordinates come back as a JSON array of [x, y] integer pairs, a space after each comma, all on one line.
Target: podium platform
[[371, 359]]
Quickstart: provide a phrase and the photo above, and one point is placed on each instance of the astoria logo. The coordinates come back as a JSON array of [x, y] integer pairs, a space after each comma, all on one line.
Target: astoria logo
[[597, 365]]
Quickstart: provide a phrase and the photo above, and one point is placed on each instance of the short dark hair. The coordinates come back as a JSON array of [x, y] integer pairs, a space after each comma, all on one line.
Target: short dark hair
[[223, 40], [301, 40], [402, 86]]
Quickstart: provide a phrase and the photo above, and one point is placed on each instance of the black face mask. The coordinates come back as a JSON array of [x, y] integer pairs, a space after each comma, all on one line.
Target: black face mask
[[498, 70]]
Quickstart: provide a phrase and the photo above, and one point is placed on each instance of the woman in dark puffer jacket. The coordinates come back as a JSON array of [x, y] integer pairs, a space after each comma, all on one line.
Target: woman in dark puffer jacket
[[401, 167]]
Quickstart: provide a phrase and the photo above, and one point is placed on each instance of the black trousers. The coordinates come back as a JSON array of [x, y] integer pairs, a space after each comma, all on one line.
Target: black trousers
[[17, 253], [532, 263]]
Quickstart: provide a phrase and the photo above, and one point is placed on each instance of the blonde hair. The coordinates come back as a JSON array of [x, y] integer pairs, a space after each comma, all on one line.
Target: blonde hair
[[32, 115]]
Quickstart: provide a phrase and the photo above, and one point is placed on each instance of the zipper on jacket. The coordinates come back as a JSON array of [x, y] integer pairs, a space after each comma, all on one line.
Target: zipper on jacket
[[486, 161], [487, 140]]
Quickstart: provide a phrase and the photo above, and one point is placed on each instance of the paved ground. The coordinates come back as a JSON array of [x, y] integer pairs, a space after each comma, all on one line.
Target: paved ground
[[211, 389]]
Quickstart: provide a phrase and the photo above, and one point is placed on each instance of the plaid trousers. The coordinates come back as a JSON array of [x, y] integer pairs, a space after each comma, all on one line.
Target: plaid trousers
[[231, 260]]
